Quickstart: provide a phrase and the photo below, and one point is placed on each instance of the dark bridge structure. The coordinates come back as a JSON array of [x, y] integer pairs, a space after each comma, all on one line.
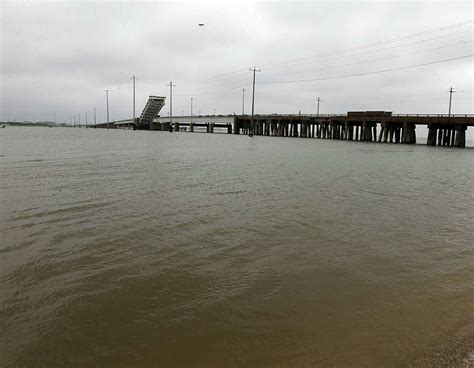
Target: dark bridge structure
[[369, 126]]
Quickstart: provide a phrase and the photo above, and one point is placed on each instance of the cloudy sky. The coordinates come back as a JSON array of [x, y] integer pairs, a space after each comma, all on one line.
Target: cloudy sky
[[58, 58]]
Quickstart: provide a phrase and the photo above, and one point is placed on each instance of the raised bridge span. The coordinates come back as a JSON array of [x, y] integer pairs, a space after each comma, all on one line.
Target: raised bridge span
[[368, 126]]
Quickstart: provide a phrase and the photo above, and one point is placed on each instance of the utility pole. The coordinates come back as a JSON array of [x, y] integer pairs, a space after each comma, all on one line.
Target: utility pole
[[191, 112], [171, 85], [450, 98], [107, 97], [253, 101], [317, 114], [243, 100], [134, 78], [95, 121], [86, 119], [54, 113]]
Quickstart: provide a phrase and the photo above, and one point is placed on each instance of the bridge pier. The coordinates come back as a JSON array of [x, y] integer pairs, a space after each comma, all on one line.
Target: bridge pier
[[350, 131], [408, 134], [237, 126], [366, 131], [460, 140], [446, 135], [432, 131]]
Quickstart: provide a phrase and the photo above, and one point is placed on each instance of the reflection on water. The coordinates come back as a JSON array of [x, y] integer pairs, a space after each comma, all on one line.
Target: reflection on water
[[122, 248]]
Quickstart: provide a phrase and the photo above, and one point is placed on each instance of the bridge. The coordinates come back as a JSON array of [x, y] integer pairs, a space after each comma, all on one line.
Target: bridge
[[368, 126], [443, 130]]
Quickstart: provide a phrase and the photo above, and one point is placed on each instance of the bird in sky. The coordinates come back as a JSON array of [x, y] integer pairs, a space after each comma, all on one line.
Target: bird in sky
[[201, 24]]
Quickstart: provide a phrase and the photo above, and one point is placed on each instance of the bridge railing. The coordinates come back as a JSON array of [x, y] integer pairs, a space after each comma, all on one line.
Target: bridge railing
[[436, 115], [369, 115]]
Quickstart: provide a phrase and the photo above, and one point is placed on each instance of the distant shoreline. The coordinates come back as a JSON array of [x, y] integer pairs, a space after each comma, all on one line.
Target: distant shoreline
[[30, 124]]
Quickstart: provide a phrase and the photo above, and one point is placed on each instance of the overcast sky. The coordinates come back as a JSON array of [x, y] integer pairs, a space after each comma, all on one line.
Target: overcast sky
[[57, 58]]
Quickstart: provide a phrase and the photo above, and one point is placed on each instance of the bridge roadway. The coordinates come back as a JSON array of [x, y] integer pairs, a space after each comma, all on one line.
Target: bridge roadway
[[443, 130]]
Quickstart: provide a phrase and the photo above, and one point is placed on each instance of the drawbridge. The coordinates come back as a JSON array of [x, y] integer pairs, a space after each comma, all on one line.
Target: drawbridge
[[150, 111]]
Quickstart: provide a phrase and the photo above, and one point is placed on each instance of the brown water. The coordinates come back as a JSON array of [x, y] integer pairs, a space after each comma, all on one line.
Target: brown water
[[122, 248]]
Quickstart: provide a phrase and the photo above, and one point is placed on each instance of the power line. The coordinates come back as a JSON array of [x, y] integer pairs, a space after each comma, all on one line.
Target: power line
[[242, 72], [371, 51], [455, 25], [238, 73], [279, 66], [386, 97], [377, 97], [215, 91], [367, 73], [370, 60]]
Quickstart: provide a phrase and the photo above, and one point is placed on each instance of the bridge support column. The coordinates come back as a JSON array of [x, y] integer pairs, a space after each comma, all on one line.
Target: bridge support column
[[366, 132], [408, 134], [382, 130], [350, 131], [295, 129], [460, 140], [397, 134], [386, 132], [447, 137], [308, 130], [237, 125], [440, 135], [432, 131]]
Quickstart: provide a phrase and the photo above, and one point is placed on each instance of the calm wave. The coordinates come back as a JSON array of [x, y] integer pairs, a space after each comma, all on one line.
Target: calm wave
[[123, 248]]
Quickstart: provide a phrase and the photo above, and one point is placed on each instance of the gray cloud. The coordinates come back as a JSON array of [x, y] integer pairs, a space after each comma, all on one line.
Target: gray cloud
[[62, 56]]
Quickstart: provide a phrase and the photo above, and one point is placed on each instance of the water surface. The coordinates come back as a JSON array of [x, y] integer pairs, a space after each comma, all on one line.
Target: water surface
[[123, 248]]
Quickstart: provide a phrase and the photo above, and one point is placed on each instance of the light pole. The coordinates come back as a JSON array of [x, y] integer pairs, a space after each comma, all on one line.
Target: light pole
[[134, 78], [253, 100], [191, 126], [450, 98], [171, 85], [107, 98]]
